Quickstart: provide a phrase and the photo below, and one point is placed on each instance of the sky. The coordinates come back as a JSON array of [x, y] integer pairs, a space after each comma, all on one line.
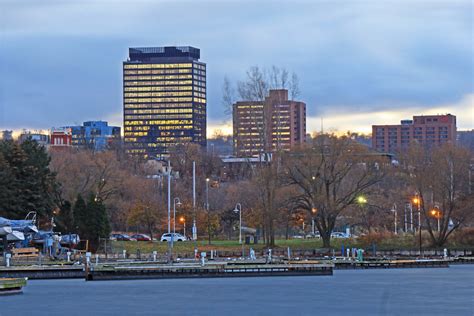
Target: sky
[[359, 62]]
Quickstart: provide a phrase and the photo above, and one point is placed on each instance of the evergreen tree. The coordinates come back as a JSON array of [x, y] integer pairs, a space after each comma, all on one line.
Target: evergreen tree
[[80, 217], [27, 183]]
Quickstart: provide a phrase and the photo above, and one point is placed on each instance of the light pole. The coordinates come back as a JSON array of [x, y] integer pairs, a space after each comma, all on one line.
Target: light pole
[[394, 210], [183, 221], [208, 215], [178, 202], [417, 202], [238, 208], [313, 211]]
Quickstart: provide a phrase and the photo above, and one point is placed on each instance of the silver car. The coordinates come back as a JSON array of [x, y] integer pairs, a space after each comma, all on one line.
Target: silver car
[[176, 237]]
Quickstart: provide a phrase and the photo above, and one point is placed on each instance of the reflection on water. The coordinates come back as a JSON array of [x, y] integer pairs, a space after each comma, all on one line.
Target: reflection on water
[[436, 291]]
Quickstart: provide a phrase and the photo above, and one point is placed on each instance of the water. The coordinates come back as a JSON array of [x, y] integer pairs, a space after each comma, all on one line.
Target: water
[[435, 291]]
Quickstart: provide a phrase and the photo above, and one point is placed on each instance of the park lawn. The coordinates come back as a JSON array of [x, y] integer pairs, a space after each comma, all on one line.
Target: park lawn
[[399, 242]]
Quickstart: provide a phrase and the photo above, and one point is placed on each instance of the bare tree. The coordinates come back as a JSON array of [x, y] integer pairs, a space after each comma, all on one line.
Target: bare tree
[[331, 174], [439, 177]]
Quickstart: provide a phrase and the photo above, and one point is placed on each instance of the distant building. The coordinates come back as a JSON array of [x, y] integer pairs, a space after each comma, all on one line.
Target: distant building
[[164, 100], [38, 136], [429, 130], [60, 138], [265, 126], [466, 139], [7, 135], [96, 135]]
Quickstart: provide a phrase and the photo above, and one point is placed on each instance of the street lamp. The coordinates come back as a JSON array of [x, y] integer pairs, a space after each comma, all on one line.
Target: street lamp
[[417, 201], [176, 201], [238, 209], [313, 211], [182, 220], [436, 213], [394, 210], [361, 199]]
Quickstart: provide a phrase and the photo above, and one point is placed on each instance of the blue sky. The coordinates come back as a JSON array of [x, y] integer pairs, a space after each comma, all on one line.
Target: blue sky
[[359, 62]]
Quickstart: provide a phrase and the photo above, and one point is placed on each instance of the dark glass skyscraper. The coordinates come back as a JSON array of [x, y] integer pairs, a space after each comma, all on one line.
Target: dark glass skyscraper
[[164, 99]]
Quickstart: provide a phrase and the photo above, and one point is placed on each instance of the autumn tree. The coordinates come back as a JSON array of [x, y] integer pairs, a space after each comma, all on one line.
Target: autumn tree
[[331, 173], [440, 179]]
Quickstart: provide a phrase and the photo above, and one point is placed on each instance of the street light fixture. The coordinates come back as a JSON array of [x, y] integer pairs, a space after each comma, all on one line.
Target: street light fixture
[[182, 220], [238, 208], [176, 201], [313, 211]]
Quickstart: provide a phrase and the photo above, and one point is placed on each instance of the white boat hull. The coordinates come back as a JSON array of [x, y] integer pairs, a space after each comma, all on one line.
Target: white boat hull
[[15, 236], [5, 230]]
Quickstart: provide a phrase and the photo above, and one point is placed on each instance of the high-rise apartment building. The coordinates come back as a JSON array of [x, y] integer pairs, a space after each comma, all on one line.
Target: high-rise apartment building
[[429, 130], [164, 99], [265, 126]]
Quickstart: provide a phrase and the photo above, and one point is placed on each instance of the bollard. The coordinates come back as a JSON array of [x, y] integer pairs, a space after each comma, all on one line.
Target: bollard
[[348, 252], [124, 253], [68, 256], [269, 255], [289, 253], [203, 258], [212, 254], [154, 255], [7, 259], [96, 259], [445, 253]]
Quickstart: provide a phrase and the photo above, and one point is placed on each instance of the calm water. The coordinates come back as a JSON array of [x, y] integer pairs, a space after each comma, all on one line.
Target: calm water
[[445, 291]]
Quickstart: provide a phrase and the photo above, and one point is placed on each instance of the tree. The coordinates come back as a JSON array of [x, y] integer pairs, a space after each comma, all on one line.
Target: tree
[[439, 177], [146, 215], [331, 174], [28, 180], [90, 220]]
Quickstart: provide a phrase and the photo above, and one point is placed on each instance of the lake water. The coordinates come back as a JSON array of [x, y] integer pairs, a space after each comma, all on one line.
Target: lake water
[[434, 291]]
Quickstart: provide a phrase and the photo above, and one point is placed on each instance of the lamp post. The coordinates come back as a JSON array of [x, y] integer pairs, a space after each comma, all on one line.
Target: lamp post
[[208, 215], [394, 210], [182, 220], [417, 202], [313, 211], [238, 209], [176, 201]]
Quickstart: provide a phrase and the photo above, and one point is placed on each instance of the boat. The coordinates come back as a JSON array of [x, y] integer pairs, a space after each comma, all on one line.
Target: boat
[[15, 236], [5, 230], [10, 286]]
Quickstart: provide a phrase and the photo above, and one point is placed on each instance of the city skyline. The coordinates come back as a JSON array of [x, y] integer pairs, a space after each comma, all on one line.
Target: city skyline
[[59, 60]]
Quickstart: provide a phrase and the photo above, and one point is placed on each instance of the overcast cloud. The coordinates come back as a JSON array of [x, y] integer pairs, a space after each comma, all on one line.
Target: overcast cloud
[[359, 62]]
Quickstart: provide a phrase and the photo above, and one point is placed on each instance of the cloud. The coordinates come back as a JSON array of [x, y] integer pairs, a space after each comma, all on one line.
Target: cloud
[[60, 61], [362, 121]]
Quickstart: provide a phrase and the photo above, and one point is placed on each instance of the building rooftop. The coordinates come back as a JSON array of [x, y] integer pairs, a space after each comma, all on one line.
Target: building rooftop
[[147, 54]]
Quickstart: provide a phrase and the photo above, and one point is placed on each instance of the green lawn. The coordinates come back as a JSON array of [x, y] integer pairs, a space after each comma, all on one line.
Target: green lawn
[[396, 243]]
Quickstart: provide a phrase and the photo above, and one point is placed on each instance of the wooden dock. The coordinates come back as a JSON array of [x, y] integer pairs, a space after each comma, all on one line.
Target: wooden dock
[[120, 272], [10, 286]]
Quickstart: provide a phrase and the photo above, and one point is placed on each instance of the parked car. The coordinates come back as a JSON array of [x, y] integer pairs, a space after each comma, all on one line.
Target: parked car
[[176, 237], [339, 235], [297, 237], [120, 237], [141, 237], [315, 235]]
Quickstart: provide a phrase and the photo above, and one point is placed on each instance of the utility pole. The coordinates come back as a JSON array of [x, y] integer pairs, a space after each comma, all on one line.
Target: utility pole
[[169, 196], [194, 202]]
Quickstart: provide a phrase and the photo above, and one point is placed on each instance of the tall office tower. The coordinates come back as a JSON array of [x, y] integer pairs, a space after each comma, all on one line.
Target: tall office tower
[[270, 125], [429, 130], [164, 100]]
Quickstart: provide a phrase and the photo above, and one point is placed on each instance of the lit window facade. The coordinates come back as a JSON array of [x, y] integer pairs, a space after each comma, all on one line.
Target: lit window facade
[[271, 125], [164, 100]]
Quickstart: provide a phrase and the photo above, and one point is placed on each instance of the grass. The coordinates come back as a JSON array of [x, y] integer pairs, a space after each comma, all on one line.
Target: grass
[[399, 242]]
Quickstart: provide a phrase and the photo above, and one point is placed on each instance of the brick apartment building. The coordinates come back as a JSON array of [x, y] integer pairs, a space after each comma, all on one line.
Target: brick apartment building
[[274, 124], [429, 130]]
